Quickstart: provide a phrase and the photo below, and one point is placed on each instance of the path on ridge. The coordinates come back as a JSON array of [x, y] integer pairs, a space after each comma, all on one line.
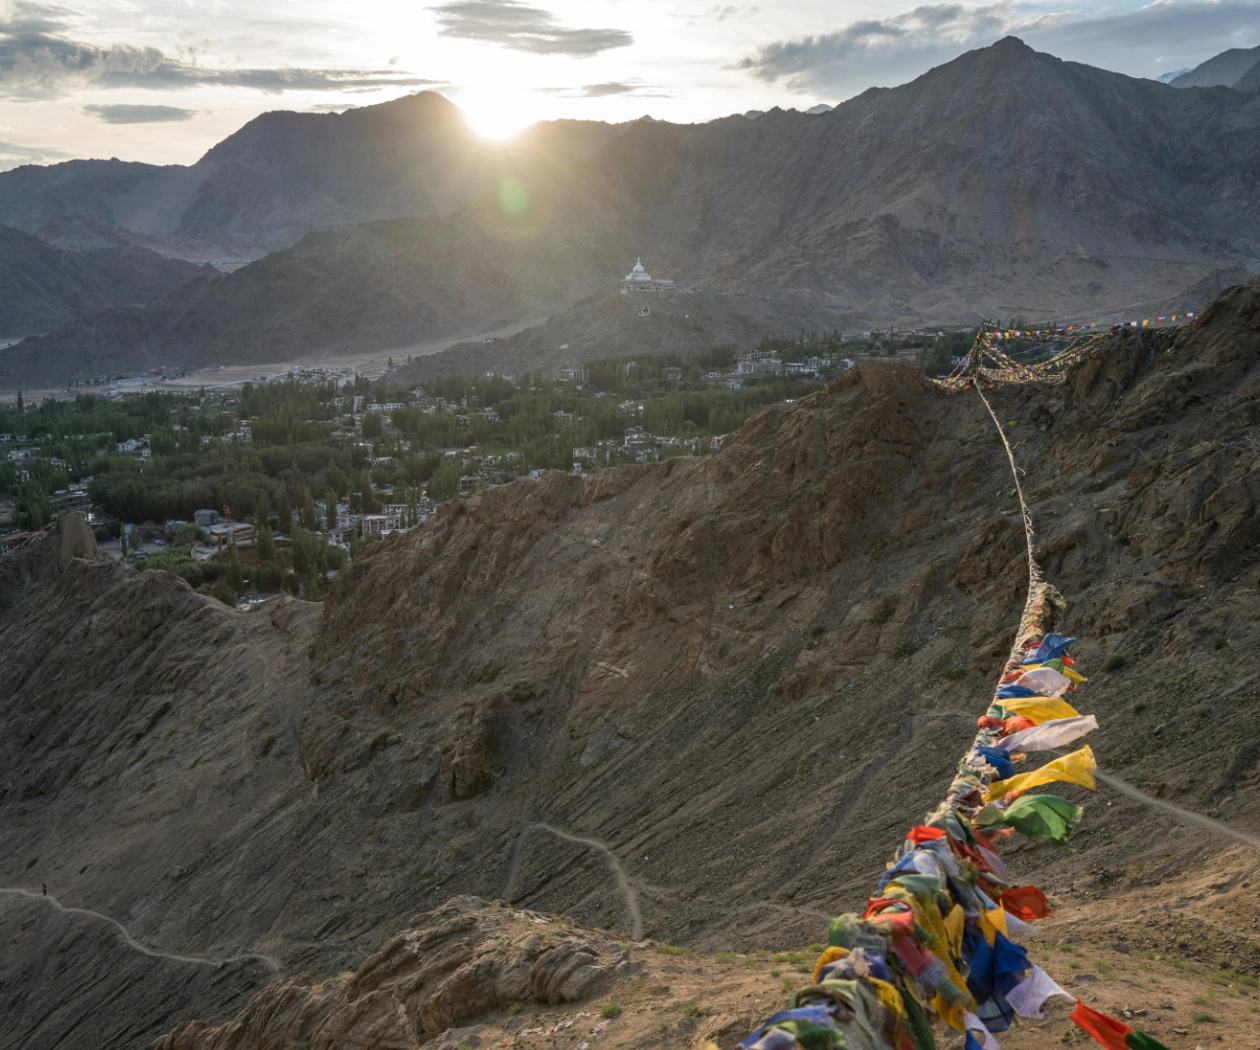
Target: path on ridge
[[628, 891], [131, 942]]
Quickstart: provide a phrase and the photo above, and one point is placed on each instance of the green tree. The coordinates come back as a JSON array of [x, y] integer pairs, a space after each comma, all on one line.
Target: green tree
[[372, 427], [309, 521], [21, 406], [263, 512], [330, 509], [235, 578], [444, 484], [282, 510], [266, 545]]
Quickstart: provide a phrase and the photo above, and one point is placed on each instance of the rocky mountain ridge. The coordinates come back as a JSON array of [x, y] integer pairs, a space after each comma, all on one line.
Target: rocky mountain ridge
[[697, 701], [44, 287]]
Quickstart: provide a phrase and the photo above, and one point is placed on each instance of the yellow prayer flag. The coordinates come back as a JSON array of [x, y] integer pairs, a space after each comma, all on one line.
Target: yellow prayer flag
[[1076, 768], [1040, 708]]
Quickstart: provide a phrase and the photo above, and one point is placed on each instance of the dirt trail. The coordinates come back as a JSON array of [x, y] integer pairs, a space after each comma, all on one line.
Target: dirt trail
[[131, 942], [1186, 816], [624, 885]]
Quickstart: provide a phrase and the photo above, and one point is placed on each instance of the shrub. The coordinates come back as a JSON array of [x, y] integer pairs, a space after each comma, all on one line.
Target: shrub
[[516, 1008], [225, 594], [1114, 662], [1203, 1018], [611, 1010]]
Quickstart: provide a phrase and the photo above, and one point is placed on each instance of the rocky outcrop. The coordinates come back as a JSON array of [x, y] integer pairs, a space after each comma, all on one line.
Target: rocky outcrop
[[451, 966]]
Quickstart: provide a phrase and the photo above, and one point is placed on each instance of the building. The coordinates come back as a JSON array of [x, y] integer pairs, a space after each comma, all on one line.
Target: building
[[634, 439], [468, 485], [672, 373], [239, 532], [569, 375], [73, 498], [755, 365], [205, 518], [380, 524], [14, 540], [639, 280]]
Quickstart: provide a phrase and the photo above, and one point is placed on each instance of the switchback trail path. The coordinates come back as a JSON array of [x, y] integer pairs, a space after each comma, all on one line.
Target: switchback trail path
[[131, 942], [624, 885]]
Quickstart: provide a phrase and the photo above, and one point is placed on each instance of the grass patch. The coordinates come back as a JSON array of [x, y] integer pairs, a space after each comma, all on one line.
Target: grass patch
[[1103, 968], [954, 674], [789, 985], [725, 957], [693, 1010], [611, 1010], [904, 650], [414, 985], [516, 1008], [1227, 976], [1201, 1017], [675, 949], [776, 973]]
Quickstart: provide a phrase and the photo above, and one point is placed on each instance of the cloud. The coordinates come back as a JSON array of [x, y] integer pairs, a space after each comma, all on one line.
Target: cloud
[[121, 114], [633, 86], [890, 50], [39, 61], [891, 46], [12, 155], [520, 27]]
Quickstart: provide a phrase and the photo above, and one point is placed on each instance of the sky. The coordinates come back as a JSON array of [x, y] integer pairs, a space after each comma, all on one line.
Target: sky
[[162, 81]]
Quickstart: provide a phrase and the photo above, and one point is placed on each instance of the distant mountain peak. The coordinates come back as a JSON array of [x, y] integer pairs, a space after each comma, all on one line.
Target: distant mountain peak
[[1223, 70]]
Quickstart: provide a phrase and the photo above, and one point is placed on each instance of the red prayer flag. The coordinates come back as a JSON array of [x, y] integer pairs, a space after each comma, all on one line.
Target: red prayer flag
[[1026, 902], [1107, 1030], [924, 834]]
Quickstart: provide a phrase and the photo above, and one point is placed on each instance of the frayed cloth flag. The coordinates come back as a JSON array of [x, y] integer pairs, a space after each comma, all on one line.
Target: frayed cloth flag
[[1030, 995], [1076, 768], [1044, 681], [1058, 732], [1039, 709]]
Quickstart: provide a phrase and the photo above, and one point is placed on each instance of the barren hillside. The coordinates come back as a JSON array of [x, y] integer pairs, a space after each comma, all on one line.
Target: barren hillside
[[696, 701]]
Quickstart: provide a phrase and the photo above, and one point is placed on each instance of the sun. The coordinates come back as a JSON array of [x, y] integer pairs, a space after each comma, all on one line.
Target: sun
[[499, 115]]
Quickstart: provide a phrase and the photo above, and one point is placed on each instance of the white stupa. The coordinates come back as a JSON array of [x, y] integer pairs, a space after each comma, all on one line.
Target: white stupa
[[638, 273], [640, 280]]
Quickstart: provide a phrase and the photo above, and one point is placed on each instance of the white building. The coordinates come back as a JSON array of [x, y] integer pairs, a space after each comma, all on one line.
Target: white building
[[639, 280]]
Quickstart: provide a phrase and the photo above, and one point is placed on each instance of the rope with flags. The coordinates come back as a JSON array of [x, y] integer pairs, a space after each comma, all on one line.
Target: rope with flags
[[939, 942]]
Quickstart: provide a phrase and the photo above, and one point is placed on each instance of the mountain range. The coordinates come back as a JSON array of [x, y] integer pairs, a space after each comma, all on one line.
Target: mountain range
[[1004, 183], [1236, 68]]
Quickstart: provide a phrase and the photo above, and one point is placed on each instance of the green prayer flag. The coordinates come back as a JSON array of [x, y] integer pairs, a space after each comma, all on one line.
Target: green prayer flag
[[1142, 1041], [1041, 817]]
